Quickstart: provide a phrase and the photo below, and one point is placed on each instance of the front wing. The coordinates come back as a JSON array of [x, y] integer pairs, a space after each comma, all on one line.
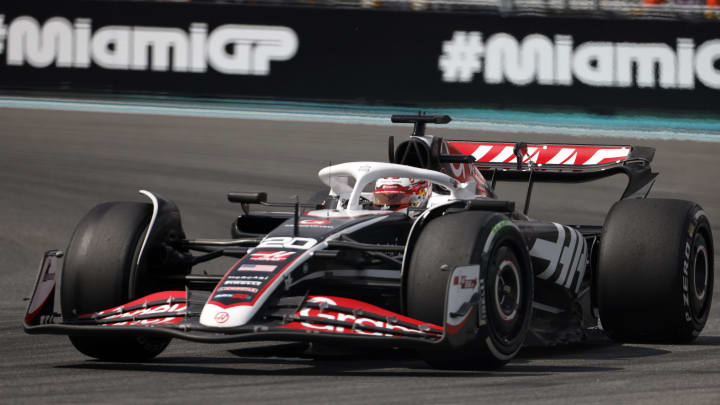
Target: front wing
[[326, 319]]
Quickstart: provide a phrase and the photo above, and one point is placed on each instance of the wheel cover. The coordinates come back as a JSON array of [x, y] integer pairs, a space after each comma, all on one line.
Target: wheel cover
[[508, 303], [507, 291], [700, 270], [700, 281]]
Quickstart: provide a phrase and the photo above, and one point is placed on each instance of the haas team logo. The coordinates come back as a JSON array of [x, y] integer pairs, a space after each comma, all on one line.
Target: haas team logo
[[279, 256], [222, 317], [314, 222]]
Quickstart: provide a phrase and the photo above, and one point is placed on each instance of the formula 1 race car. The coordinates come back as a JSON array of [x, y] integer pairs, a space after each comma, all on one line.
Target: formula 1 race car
[[462, 277]]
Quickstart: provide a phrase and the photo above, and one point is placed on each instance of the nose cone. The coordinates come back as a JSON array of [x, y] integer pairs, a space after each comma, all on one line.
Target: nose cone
[[219, 317]]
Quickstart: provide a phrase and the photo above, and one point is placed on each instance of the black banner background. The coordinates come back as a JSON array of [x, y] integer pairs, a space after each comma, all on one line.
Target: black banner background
[[360, 56]]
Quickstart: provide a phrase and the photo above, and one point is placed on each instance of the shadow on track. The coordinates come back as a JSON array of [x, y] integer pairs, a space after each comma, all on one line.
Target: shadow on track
[[706, 341], [597, 346], [607, 351], [328, 369], [294, 360]]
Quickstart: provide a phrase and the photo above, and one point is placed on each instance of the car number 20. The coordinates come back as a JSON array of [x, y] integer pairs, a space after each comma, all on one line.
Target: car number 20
[[287, 242]]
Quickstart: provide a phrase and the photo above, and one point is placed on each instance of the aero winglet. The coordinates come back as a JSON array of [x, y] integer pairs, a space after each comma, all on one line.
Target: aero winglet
[[41, 303], [420, 121]]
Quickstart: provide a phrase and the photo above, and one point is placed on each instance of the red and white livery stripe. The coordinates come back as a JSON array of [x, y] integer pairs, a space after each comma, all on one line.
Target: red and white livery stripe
[[356, 319], [162, 310], [543, 154]]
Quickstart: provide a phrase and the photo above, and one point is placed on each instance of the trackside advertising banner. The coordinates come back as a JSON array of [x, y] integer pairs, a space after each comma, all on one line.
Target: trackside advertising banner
[[365, 56]]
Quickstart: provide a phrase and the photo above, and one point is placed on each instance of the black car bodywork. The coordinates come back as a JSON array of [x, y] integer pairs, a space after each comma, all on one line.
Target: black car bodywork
[[306, 275]]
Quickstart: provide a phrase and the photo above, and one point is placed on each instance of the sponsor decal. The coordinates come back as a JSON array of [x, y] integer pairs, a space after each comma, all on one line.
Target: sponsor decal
[[685, 281], [223, 296], [558, 61], [257, 290], [178, 308], [255, 267], [566, 256], [287, 242], [460, 300], [231, 49], [148, 311], [277, 256], [222, 317], [458, 171], [482, 305], [239, 296], [313, 223], [358, 320], [247, 289], [464, 282], [257, 278], [157, 321], [242, 282]]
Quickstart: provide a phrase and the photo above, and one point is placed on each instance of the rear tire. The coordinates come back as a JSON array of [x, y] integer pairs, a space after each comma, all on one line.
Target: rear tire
[[655, 271], [100, 272], [458, 240]]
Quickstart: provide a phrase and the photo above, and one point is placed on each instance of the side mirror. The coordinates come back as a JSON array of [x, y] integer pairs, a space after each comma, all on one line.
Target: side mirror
[[247, 198]]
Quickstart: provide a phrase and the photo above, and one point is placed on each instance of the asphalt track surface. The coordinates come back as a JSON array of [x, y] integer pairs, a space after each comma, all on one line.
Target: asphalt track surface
[[54, 166]]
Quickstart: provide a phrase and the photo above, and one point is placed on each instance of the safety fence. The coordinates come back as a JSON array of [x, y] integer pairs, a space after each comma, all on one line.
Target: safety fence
[[635, 9], [369, 56]]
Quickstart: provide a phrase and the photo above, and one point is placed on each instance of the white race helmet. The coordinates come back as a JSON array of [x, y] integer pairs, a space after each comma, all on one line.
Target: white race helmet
[[401, 192]]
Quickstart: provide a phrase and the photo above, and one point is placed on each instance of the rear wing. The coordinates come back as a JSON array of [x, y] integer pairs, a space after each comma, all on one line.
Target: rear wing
[[561, 162]]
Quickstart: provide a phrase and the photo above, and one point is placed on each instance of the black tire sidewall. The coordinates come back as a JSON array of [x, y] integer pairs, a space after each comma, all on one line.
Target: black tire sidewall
[[645, 267], [693, 319], [101, 271], [100, 263]]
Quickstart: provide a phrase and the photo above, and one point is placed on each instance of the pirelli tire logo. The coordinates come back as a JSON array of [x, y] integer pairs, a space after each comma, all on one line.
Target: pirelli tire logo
[[231, 49], [559, 61]]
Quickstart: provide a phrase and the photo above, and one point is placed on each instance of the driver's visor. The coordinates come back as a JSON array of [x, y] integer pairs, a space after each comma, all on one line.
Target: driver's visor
[[391, 198]]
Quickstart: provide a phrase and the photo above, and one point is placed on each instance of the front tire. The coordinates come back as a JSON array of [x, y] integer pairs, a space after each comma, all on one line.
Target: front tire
[[655, 271], [100, 272], [458, 240]]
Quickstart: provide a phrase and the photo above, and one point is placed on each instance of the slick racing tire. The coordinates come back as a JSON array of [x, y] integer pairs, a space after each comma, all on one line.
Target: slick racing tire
[[460, 239], [655, 271], [100, 272]]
